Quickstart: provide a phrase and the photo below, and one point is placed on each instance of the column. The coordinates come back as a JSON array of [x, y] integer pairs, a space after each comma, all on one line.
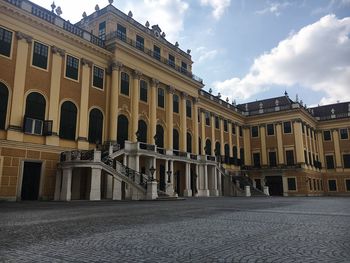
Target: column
[[203, 131], [183, 122], [66, 190], [299, 147], [313, 141], [247, 151], [188, 190], [95, 190], [279, 143], [135, 94], [238, 142], [263, 144], [58, 185], [169, 117], [84, 105], [310, 145], [212, 134], [55, 85], [206, 188], [337, 154], [195, 126], [222, 142], [153, 110], [230, 138], [320, 148], [16, 117], [114, 95]]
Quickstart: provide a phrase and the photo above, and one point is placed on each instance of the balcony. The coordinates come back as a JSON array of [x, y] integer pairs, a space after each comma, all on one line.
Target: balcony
[[117, 35]]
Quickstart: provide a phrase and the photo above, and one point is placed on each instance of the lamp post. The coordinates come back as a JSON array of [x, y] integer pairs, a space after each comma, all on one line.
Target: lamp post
[[152, 170], [169, 175]]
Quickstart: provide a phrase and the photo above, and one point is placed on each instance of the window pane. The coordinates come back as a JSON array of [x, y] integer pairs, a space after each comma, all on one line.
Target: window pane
[[256, 159], [217, 125], [326, 135], [287, 128], [270, 129], [124, 88], [38, 127], [121, 32], [175, 103], [171, 60], [255, 131], [329, 161], [28, 125], [156, 52], [346, 160], [161, 98], [225, 125], [5, 42], [344, 134], [72, 67], [332, 185], [140, 42], [188, 109], [272, 158], [292, 184], [102, 30], [98, 77], [40, 55], [290, 157], [143, 90]]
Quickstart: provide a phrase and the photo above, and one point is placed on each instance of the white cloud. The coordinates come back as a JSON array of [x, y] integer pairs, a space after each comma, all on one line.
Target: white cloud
[[218, 6], [316, 58], [332, 5], [273, 8], [204, 54]]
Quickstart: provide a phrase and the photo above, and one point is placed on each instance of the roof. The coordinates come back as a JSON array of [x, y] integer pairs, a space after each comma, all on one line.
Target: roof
[[267, 103], [338, 109]]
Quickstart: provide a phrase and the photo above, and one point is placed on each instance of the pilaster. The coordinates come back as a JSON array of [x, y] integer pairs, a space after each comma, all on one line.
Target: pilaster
[[183, 122], [195, 126], [263, 144], [135, 94], [279, 143], [153, 110], [247, 150], [114, 95], [299, 147], [222, 142], [169, 117], [337, 154]]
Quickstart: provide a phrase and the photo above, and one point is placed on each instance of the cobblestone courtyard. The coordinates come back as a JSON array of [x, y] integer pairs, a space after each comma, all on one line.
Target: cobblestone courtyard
[[194, 230]]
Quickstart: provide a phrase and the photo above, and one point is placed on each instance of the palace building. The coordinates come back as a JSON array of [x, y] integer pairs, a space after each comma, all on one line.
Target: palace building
[[109, 109]]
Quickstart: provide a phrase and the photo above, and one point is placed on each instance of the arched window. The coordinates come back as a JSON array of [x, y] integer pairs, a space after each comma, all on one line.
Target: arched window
[[123, 130], [242, 155], [4, 95], [160, 136], [95, 126], [34, 113], [227, 151], [189, 142], [124, 85], [235, 153], [175, 139], [200, 145], [208, 147], [142, 131], [68, 120], [217, 149]]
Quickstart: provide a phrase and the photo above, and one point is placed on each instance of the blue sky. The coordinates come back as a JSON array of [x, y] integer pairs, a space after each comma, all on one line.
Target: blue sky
[[252, 49]]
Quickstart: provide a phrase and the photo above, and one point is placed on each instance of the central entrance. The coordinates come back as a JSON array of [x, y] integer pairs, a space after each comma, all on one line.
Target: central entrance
[[275, 185], [31, 181]]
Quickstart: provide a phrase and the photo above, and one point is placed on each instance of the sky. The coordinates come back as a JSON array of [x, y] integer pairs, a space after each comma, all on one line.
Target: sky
[[251, 49]]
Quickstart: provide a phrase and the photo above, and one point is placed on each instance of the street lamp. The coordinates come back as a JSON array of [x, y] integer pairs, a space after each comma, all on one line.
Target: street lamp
[[169, 174], [152, 170]]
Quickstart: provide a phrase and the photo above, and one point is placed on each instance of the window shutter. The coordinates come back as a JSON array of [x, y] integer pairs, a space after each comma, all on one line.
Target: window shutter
[[47, 130]]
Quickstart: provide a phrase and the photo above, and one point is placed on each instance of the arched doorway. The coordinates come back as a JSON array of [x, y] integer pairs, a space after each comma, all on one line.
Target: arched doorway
[[208, 147], [189, 142], [123, 130], [159, 136], [227, 153], [142, 131], [175, 140], [95, 126]]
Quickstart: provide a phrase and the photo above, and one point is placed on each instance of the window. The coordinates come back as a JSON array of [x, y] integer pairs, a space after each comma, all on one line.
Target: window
[[303, 128], [346, 160], [159, 136], [270, 129], [68, 121], [188, 109], [156, 52], [207, 147], [34, 114], [347, 184], [140, 42], [207, 118], [272, 159], [329, 162], [171, 61], [4, 94], [292, 186], [307, 131], [122, 130], [72, 67], [160, 97], [175, 103], [102, 30], [233, 128], [98, 77], [124, 87], [241, 153], [40, 55], [255, 131], [327, 135], [95, 126], [121, 32], [256, 159], [332, 185], [287, 127], [240, 131], [225, 126], [183, 67], [175, 140], [5, 42], [310, 160], [142, 131], [344, 134], [217, 149], [290, 157], [143, 90], [189, 142], [306, 157], [217, 122]]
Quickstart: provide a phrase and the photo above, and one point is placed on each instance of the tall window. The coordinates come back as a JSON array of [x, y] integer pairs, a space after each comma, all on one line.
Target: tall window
[[68, 120], [140, 42], [207, 118], [143, 90], [171, 60], [344, 135], [124, 86], [256, 159], [287, 127], [225, 126], [123, 130], [233, 128], [235, 152], [227, 151], [240, 131], [160, 136], [156, 52], [183, 67], [217, 149], [34, 113], [5, 42], [332, 185], [175, 103], [98, 77], [95, 126], [270, 129], [208, 147], [175, 140], [272, 159], [4, 94], [290, 157], [327, 135], [292, 186], [40, 55], [160, 97], [188, 109], [72, 67], [102, 30], [121, 32], [241, 152], [255, 131], [142, 131], [346, 160], [189, 142], [217, 122]]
